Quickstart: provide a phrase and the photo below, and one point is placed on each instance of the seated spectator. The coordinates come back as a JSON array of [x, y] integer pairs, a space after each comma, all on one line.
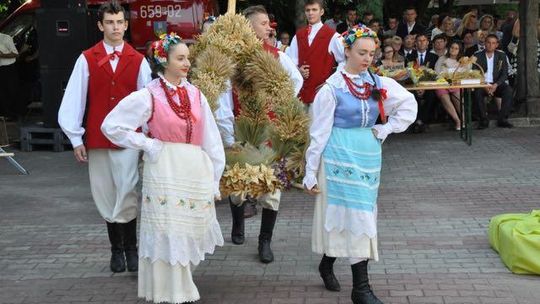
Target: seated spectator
[[433, 23], [391, 27], [495, 65], [437, 29], [410, 26], [426, 99], [439, 45], [421, 55], [351, 20], [408, 46], [390, 59], [480, 39], [367, 17], [375, 25], [284, 41], [449, 30], [469, 23], [468, 40], [396, 43], [450, 97]]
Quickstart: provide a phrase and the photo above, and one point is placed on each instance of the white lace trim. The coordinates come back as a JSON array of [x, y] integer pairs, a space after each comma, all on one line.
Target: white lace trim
[[176, 247], [356, 221]]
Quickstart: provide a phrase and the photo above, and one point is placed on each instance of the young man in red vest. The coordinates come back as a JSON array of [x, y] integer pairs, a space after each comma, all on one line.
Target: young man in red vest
[[315, 50], [103, 75], [260, 22]]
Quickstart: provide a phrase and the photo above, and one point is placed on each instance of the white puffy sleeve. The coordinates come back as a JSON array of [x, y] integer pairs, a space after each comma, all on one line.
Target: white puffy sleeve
[[121, 124], [212, 144], [292, 70], [225, 116], [400, 107], [322, 120], [73, 106], [145, 74], [337, 48], [292, 51]]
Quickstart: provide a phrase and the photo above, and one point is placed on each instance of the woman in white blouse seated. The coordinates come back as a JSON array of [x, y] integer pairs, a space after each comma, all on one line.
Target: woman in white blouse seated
[[450, 97], [343, 161], [183, 163]]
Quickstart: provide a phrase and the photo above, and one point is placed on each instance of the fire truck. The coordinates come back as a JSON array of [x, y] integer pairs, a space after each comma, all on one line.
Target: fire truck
[[64, 28]]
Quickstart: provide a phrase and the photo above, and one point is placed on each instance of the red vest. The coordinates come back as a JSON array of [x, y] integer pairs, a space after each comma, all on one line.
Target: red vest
[[321, 63], [106, 88], [236, 103]]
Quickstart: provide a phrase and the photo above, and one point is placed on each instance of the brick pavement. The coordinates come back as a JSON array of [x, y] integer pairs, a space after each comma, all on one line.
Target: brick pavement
[[436, 199]]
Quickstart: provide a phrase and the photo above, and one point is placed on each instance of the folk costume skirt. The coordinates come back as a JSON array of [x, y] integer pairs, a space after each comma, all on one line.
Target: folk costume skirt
[[345, 217], [178, 223]]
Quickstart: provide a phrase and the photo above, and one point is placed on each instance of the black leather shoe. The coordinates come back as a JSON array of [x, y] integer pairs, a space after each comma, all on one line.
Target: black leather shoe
[[504, 124], [326, 270]]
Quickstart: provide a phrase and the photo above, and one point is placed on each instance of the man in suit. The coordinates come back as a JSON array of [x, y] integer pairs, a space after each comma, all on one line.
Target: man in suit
[[480, 37], [408, 46], [349, 22], [426, 99], [421, 55], [495, 67], [410, 26]]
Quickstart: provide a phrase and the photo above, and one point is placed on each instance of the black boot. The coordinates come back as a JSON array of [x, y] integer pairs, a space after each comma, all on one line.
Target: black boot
[[326, 270], [265, 236], [130, 245], [118, 263], [237, 233], [361, 293]]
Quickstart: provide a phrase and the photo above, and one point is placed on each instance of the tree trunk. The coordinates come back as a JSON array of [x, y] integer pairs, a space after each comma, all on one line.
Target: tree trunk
[[528, 34]]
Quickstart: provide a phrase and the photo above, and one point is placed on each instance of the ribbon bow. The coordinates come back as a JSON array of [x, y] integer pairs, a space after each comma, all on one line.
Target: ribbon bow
[[110, 57]]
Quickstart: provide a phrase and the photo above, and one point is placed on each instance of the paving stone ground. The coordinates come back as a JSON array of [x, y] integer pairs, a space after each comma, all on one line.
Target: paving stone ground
[[436, 199]]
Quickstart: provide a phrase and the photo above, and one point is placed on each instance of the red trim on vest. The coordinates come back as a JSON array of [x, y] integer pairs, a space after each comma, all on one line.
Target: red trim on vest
[[106, 88], [321, 63]]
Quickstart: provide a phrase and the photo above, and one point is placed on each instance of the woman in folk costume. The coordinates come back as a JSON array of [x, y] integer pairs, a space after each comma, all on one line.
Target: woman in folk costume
[[343, 161], [183, 163]]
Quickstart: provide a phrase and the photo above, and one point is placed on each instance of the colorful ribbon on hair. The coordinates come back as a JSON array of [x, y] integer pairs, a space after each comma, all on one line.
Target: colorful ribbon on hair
[[161, 46], [356, 32]]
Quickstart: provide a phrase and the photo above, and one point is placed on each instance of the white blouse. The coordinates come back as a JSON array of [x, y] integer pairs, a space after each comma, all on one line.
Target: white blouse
[[135, 110], [400, 107]]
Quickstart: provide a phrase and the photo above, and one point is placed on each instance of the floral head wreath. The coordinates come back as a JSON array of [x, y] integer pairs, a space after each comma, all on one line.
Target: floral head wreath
[[356, 32], [161, 47]]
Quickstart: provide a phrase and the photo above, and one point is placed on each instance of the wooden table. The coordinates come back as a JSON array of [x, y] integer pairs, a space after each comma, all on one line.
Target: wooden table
[[465, 104]]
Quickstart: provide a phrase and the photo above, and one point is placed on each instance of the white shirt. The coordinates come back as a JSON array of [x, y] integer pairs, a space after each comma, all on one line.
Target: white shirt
[[400, 106], [335, 47], [435, 31], [135, 110], [410, 27], [7, 46], [73, 107], [407, 52], [224, 114], [489, 71]]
